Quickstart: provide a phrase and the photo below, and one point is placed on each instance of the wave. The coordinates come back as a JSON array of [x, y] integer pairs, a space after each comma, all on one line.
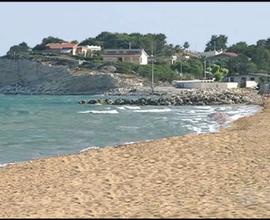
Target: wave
[[237, 116], [129, 107], [121, 107], [5, 164], [89, 148], [203, 107], [132, 107], [99, 112], [127, 143], [154, 110]]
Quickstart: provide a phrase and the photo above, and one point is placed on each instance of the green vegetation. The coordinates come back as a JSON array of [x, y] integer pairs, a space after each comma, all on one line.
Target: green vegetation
[[163, 72], [217, 42], [191, 66], [251, 58], [19, 50], [47, 40], [217, 72], [110, 40], [186, 45]]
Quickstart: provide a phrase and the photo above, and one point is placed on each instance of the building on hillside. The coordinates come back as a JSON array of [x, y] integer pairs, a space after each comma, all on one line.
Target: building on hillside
[[65, 48], [244, 81], [211, 53], [86, 50], [137, 56], [60, 47], [222, 57]]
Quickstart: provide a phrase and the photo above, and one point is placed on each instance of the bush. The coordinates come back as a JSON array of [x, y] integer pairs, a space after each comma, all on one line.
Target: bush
[[126, 68], [192, 66], [161, 72]]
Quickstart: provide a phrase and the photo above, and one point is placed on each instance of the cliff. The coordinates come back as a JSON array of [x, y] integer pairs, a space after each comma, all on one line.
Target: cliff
[[22, 76]]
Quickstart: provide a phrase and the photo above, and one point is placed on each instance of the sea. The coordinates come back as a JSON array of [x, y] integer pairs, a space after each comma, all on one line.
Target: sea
[[39, 126]]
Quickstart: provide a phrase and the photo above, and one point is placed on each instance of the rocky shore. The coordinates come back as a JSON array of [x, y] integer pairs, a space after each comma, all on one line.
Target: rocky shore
[[172, 96]]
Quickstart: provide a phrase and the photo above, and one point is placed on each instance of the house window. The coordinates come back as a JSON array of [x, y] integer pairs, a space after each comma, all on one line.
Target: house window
[[252, 78], [231, 79]]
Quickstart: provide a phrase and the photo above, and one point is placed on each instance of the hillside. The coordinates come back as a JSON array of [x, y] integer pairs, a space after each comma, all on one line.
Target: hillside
[[59, 76]]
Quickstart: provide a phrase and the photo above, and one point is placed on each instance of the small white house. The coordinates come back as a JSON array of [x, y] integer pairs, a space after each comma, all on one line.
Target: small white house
[[137, 56], [84, 50], [245, 81]]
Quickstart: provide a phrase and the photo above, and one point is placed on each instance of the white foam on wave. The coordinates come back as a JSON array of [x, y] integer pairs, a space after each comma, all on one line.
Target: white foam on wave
[[5, 164], [127, 143], [153, 110], [133, 107], [121, 107], [212, 128], [129, 107], [203, 107], [99, 112], [237, 116], [89, 148]]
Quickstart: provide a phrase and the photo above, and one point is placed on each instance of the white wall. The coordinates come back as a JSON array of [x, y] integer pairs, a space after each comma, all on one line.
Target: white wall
[[251, 84], [205, 85], [143, 59]]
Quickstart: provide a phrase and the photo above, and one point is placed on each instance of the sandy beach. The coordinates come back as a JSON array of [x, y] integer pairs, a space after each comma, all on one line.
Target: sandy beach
[[223, 174]]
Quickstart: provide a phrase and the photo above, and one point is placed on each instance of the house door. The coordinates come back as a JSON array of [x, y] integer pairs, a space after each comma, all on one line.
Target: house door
[[243, 82]]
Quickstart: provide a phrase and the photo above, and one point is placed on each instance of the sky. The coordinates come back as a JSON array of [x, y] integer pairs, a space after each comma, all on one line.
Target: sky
[[194, 22]]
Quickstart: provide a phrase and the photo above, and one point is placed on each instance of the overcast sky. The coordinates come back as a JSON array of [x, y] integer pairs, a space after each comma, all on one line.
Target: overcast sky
[[194, 22]]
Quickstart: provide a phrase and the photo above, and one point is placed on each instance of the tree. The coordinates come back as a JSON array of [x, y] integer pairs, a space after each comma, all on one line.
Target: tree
[[241, 65], [19, 49], [261, 57], [186, 45], [218, 72], [74, 42], [240, 47], [192, 66], [217, 43], [261, 43], [110, 40], [46, 41]]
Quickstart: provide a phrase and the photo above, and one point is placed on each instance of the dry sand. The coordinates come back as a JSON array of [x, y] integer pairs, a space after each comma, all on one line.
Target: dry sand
[[224, 174]]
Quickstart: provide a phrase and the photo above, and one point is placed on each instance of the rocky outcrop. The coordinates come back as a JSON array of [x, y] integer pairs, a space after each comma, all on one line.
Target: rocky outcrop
[[187, 97], [33, 77]]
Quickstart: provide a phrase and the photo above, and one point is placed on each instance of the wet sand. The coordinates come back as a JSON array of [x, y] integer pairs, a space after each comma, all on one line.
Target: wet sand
[[223, 174]]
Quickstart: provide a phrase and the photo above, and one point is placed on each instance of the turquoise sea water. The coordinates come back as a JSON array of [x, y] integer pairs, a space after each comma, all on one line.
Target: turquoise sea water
[[41, 126]]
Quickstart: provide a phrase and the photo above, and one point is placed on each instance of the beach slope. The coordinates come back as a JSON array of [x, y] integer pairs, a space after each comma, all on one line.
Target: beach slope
[[223, 174]]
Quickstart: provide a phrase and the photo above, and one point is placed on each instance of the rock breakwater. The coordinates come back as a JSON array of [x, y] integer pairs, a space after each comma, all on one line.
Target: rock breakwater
[[184, 97]]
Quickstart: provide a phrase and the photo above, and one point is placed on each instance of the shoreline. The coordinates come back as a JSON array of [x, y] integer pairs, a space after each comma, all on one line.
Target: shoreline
[[226, 125], [221, 174]]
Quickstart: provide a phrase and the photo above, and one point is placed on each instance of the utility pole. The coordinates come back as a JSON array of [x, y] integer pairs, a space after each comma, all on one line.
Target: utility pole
[[152, 84], [204, 68], [181, 70]]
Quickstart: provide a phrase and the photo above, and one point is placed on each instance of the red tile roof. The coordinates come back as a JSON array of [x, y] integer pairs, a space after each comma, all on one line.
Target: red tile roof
[[60, 45]]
